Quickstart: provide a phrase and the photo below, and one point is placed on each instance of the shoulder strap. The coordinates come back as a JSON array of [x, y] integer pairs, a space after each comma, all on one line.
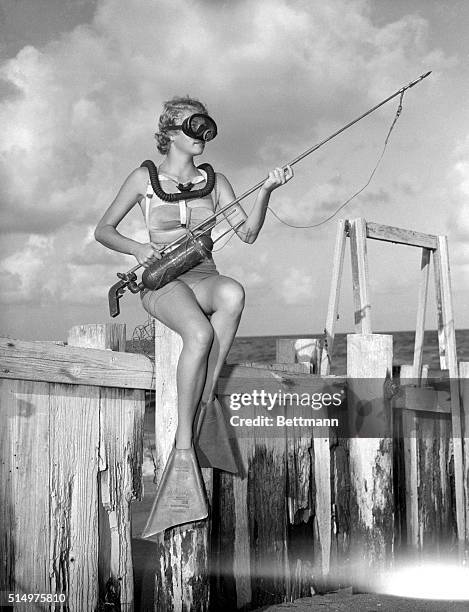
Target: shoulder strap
[[148, 196]]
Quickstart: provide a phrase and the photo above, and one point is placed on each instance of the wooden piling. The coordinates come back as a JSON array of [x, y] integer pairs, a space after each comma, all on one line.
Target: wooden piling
[[464, 384], [182, 575], [426, 445], [369, 364], [309, 464], [120, 463]]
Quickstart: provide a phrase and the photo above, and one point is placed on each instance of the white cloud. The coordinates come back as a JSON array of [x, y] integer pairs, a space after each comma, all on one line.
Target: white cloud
[[275, 74], [296, 287]]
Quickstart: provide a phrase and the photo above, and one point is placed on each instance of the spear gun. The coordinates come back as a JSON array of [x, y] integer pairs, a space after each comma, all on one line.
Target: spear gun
[[187, 251]]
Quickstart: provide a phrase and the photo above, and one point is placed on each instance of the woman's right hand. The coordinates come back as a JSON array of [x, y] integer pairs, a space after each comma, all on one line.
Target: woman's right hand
[[146, 253]]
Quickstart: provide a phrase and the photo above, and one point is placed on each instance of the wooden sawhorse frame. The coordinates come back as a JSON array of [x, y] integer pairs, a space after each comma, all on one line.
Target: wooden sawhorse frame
[[436, 247]]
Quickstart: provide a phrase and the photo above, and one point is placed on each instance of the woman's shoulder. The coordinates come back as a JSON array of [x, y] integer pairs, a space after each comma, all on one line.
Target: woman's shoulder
[[138, 179], [221, 179]]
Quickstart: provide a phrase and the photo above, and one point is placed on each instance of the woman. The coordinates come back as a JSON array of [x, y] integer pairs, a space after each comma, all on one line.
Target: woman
[[203, 306]]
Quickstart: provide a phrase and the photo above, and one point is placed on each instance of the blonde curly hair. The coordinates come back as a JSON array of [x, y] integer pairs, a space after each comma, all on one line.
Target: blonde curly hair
[[171, 115]]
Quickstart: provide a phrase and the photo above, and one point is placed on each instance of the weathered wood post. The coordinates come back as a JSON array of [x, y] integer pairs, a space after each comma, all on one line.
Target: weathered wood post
[[464, 383], [120, 468], [309, 462], [369, 364], [182, 575]]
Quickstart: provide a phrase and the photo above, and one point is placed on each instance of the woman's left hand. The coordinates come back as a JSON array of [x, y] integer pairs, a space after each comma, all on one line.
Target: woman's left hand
[[277, 177]]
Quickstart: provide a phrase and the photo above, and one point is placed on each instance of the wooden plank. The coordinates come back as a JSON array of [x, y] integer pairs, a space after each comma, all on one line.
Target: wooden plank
[[267, 516], [242, 570], [333, 304], [120, 478], [369, 363], [246, 372], [265, 463], [423, 399], [298, 368], [74, 447], [426, 438], [360, 282], [421, 311], [340, 511], [398, 235], [272, 386], [442, 342], [122, 413], [257, 567], [98, 335], [323, 495], [464, 382], [48, 362], [300, 446], [436, 503], [409, 432], [448, 318], [24, 490]]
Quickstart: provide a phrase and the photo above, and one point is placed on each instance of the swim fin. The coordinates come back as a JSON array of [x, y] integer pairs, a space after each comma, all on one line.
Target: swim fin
[[213, 444], [180, 497]]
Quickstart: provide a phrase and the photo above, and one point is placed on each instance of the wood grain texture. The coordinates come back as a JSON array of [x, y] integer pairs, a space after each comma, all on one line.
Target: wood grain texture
[[360, 276], [452, 364], [334, 294], [122, 413], [409, 373], [267, 521], [442, 343], [98, 335], [398, 235], [182, 578], [464, 382], [121, 455], [323, 505], [421, 312], [436, 533], [24, 490], [74, 447], [369, 363], [79, 366]]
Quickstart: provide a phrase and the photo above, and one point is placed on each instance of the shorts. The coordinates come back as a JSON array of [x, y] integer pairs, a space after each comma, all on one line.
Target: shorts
[[191, 278]]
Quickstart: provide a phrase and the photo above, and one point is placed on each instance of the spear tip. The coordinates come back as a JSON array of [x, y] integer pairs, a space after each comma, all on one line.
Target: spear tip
[[420, 78]]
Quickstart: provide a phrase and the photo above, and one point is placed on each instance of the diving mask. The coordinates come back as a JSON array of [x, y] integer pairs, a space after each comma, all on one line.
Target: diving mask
[[198, 126]]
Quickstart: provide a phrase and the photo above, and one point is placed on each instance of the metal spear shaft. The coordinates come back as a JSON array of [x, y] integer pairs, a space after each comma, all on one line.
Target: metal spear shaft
[[292, 162]]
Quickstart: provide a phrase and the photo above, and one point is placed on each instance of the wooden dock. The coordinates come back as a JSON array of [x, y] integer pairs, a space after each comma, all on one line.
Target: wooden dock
[[313, 508]]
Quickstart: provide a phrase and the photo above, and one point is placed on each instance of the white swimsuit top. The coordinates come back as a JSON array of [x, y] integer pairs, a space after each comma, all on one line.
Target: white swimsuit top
[[171, 217]]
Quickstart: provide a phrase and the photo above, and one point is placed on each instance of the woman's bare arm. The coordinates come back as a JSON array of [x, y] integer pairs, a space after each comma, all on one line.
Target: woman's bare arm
[[253, 223], [106, 233]]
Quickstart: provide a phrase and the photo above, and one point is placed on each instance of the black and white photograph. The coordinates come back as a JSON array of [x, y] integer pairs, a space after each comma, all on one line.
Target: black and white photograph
[[234, 323]]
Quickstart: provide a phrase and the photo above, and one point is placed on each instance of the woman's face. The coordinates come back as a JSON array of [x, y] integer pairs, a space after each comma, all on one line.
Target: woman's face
[[184, 143]]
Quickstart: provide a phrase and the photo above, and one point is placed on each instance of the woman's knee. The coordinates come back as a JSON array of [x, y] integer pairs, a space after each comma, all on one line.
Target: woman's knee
[[230, 296], [198, 337]]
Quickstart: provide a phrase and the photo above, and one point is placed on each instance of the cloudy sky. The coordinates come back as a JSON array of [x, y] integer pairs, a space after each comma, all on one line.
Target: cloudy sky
[[81, 87]]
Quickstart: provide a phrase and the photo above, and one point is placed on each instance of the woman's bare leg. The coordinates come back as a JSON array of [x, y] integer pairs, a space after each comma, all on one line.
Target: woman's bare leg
[[178, 309], [223, 298]]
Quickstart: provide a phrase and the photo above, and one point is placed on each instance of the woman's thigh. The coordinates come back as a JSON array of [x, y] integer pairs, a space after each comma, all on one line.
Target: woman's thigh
[[178, 309], [217, 292]]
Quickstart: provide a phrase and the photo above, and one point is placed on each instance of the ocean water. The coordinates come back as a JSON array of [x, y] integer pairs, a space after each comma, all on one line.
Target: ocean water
[[262, 348]]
